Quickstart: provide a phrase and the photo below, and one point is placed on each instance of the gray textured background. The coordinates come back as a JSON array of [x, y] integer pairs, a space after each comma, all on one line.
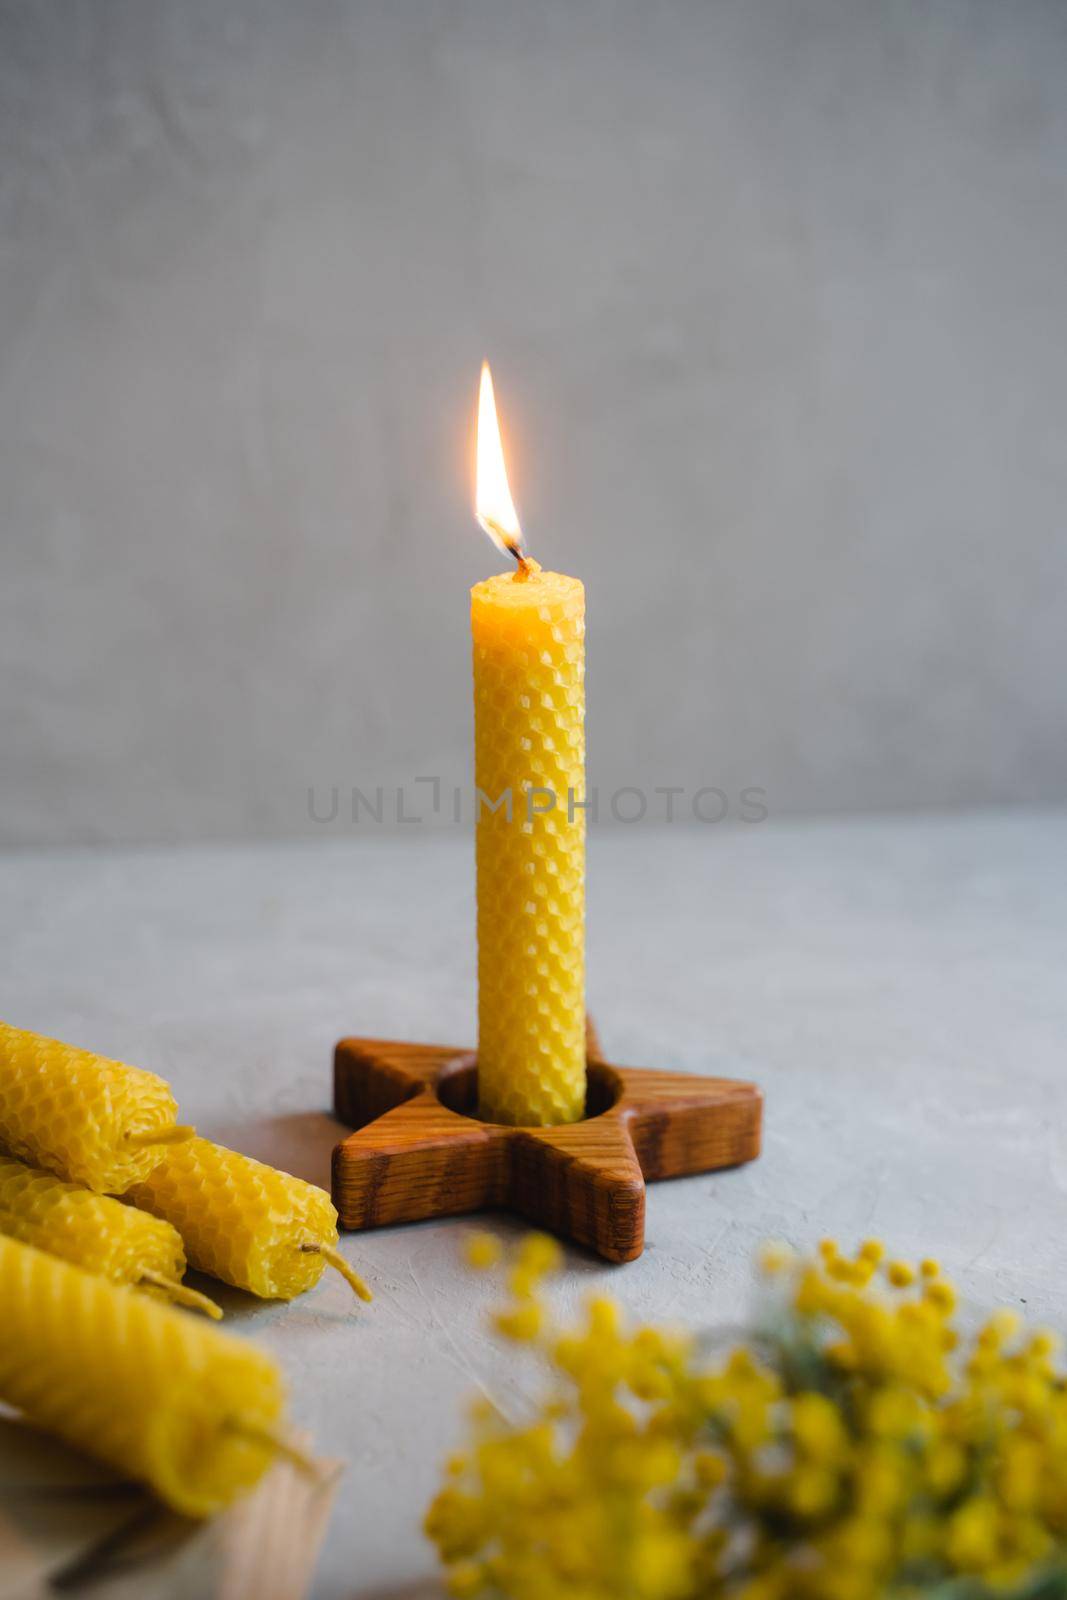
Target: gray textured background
[[894, 984], [776, 296]]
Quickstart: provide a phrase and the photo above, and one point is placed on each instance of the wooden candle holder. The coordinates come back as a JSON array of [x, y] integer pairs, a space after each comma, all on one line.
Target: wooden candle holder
[[420, 1150]]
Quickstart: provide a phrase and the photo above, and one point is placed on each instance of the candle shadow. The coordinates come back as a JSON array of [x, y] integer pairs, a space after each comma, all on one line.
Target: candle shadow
[[238, 1305], [233, 1303], [299, 1142]]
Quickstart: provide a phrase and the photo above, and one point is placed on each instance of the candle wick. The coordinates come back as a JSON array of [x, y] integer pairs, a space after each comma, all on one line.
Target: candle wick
[[275, 1444], [525, 565], [336, 1260], [182, 1295]]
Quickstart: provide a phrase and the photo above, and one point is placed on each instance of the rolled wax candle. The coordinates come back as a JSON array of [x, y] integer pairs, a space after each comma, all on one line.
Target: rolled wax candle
[[93, 1121], [244, 1222], [529, 745], [94, 1231], [159, 1395]]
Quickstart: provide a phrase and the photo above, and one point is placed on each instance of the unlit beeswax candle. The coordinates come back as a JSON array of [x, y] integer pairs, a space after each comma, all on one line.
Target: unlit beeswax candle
[[244, 1222], [94, 1231], [529, 766], [92, 1120], [159, 1395]]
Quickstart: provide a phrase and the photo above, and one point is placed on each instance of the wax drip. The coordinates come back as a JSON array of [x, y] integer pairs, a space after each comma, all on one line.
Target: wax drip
[[177, 1135]]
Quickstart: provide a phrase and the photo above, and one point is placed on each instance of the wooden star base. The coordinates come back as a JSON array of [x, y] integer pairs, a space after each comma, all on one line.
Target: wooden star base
[[421, 1151]]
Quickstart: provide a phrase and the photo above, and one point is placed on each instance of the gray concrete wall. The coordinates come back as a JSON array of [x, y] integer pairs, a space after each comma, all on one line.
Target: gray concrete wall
[[776, 297]]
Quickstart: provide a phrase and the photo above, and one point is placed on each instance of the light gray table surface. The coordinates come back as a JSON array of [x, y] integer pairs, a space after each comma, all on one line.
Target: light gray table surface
[[896, 985]]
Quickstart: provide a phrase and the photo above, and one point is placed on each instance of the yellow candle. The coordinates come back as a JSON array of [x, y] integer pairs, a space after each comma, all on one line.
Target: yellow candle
[[244, 1222], [157, 1394], [94, 1121], [528, 630], [94, 1231]]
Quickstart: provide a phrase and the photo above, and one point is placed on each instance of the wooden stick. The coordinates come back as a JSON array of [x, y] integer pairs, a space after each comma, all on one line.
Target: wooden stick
[[182, 1295], [94, 1562], [176, 1135], [339, 1264]]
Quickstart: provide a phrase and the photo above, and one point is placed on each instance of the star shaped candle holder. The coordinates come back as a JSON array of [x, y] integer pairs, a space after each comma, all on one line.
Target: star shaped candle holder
[[420, 1149]]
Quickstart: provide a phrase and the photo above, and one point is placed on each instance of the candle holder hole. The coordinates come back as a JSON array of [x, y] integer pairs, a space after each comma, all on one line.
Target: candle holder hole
[[457, 1088]]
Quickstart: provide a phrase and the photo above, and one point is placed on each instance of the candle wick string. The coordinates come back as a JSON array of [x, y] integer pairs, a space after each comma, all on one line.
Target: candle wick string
[[182, 1295], [503, 539], [252, 1433], [180, 1134], [335, 1259]]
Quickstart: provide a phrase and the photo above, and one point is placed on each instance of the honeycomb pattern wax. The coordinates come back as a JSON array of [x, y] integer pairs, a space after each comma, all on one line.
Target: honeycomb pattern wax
[[529, 735], [242, 1221], [94, 1121], [91, 1230], [159, 1395]]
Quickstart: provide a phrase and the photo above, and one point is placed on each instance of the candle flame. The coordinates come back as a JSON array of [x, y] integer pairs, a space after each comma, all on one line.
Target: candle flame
[[494, 507]]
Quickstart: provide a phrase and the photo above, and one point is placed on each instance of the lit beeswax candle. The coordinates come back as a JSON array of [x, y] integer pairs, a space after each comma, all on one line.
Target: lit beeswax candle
[[155, 1393], [529, 744], [94, 1121], [244, 1222], [94, 1231]]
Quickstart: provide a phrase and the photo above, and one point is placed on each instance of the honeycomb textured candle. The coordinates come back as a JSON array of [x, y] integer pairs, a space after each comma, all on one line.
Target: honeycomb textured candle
[[159, 1395], [529, 741], [242, 1221], [83, 1116], [93, 1231]]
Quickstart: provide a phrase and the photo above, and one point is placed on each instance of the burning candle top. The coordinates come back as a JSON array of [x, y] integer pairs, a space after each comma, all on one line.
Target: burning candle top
[[528, 629]]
